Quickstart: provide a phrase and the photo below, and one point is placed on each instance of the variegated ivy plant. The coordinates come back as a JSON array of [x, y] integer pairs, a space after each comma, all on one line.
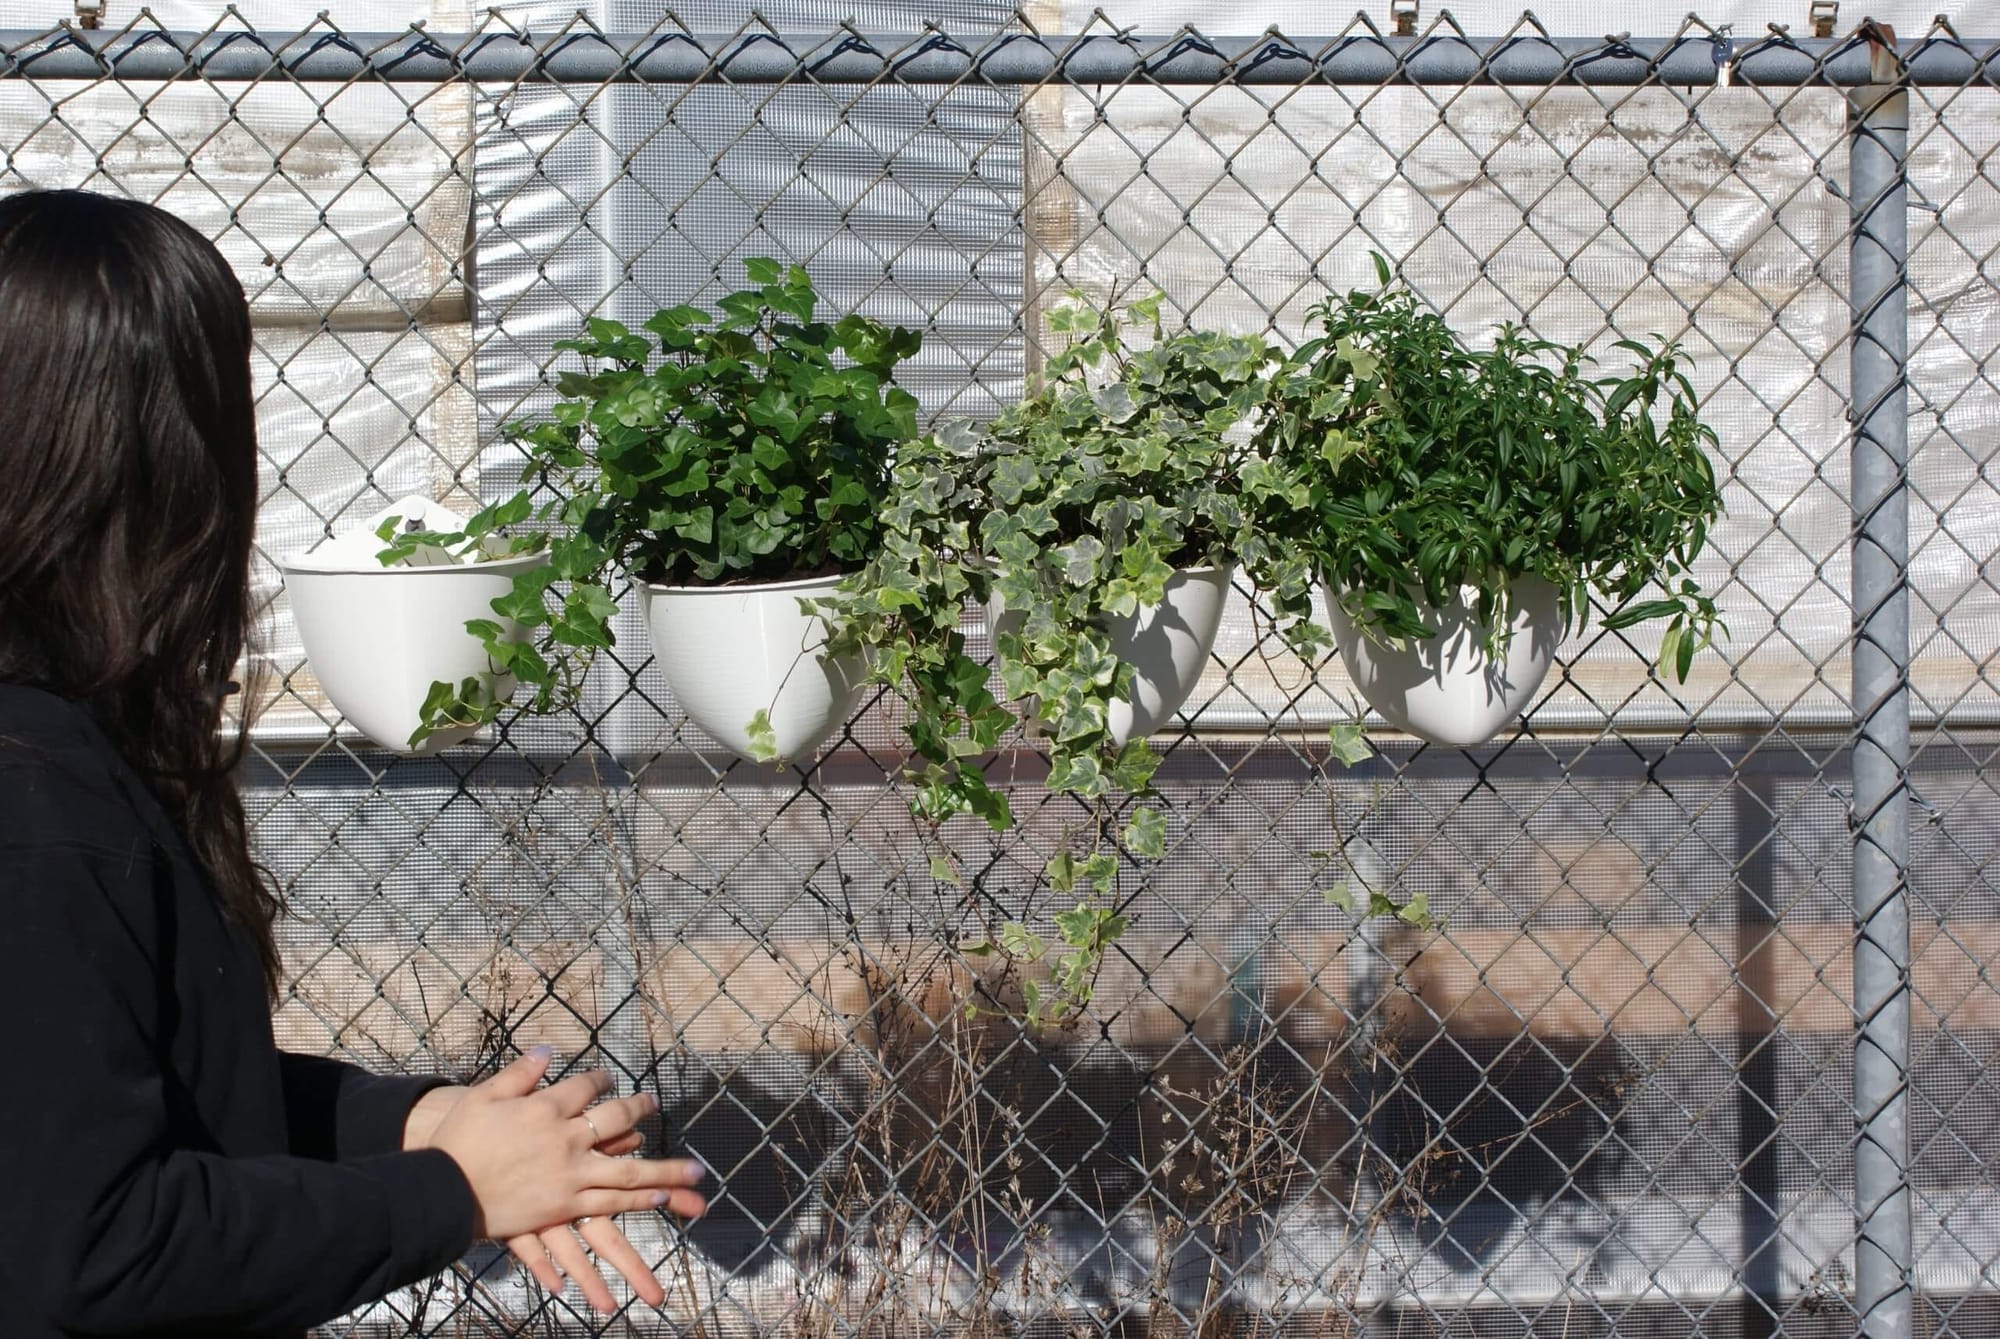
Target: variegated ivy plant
[[1070, 508]]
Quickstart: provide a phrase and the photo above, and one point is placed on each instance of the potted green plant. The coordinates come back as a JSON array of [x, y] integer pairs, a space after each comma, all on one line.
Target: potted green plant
[[381, 611], [735, 466], [1096, 525], [1463, 506]]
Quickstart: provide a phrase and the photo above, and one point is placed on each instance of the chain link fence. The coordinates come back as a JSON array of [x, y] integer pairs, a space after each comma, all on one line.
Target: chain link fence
[[1612, 1091]]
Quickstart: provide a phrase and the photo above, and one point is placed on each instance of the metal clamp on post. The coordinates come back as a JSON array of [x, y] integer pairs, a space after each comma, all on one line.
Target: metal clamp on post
[[1723, 49], [1403, 16]]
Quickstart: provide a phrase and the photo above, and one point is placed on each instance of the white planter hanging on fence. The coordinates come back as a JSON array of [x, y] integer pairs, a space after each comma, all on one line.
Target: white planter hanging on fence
[[729, 652], [1445, 688], [378, 637], [1166, 644]]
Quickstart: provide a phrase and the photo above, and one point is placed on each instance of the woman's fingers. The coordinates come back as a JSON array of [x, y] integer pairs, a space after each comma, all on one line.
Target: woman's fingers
[[614, 1119], [519, 1079], [602, 1203], [646, 1173], [629, 1142], [613, 1249], [564, 1249], [528, 1249], [577, 1092], [558, 1247], [532, 1162]]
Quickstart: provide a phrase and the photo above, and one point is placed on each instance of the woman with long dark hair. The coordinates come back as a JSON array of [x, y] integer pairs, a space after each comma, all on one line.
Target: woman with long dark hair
[[167, 1170]]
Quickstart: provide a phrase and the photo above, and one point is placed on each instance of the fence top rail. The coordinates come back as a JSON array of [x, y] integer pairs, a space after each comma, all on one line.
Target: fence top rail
[[584, 55]]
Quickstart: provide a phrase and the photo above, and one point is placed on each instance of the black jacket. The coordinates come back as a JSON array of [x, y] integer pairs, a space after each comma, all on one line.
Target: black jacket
[[164, 1168]]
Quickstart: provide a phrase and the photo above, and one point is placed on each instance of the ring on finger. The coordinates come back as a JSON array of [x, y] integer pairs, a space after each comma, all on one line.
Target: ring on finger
[[595, 1137]]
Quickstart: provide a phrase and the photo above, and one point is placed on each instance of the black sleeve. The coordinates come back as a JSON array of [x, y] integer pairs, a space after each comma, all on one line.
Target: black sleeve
[[124, 1230], [335, 1110]]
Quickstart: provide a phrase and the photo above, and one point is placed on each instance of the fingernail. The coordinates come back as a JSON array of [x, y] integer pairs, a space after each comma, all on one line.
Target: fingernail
[[659, 1199], [541, 1053], [653, 1100], [697, 1171]]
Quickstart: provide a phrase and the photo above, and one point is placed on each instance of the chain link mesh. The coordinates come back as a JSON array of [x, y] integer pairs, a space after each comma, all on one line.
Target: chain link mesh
[[1610, 1093]]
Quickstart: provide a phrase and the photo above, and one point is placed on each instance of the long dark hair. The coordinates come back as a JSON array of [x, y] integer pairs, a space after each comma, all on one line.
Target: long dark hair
[[128, 501]]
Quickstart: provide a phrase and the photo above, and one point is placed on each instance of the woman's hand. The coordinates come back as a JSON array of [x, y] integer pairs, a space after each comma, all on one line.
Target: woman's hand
[[555, 1251], [530, 1155], [422, 1122]]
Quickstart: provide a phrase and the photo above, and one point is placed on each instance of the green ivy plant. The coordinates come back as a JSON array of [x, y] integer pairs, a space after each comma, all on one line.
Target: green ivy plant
[[481, 539], [751, 444], [1073, 507], [1406, 465], [1084, 936]]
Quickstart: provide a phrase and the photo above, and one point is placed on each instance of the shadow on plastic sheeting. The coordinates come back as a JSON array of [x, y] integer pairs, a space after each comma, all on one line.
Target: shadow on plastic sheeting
[[1481, 1134]]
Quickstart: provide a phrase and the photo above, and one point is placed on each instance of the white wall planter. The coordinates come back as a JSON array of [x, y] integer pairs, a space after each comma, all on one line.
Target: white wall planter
[[1445, 688], [728, 652], [378, 637], [1166, 644]]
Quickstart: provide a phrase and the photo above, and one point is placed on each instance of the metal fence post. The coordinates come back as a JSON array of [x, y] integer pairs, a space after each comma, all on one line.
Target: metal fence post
[[1878, 124]]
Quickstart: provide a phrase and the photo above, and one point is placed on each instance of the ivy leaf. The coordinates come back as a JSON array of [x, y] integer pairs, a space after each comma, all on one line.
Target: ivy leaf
[[1078, 772], [1079, 560], [1115, 402], [448, 706], [593, 603], [987, 803], [1092, 929], [1364, 363], [1146, 835], [1031, 997], [1350, 742], [1019, 942], [1134, 767], [763, 739]]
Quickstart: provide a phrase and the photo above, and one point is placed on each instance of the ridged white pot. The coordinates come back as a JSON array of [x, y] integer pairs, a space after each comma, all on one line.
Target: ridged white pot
[[1445, 688], [378, 637], [1166, 644], [729, 652]]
